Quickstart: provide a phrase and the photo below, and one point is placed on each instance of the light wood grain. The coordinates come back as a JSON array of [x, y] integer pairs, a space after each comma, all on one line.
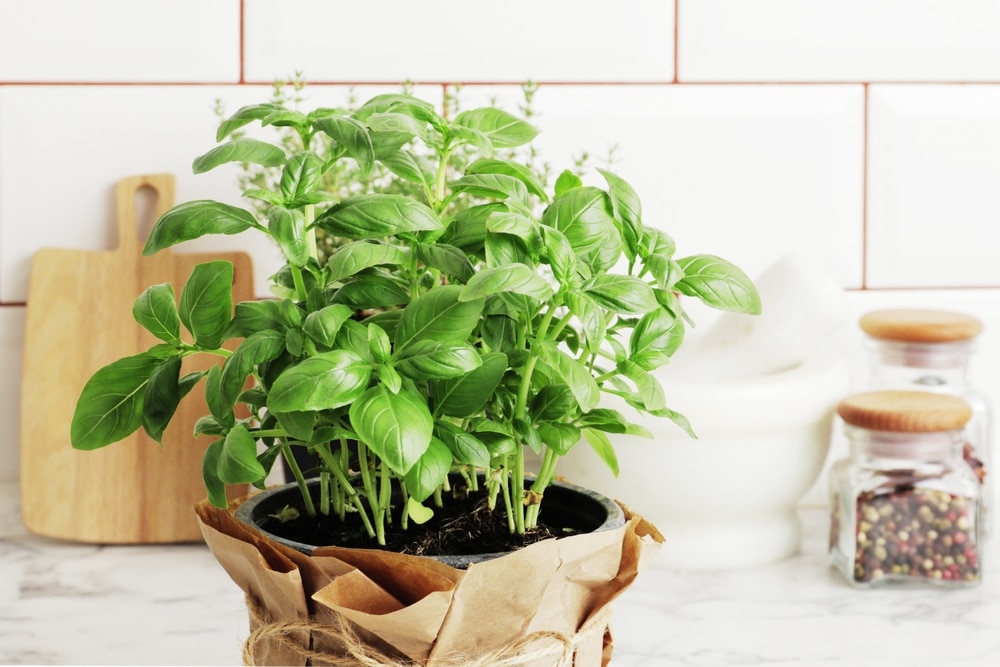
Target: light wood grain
[[79, 318]]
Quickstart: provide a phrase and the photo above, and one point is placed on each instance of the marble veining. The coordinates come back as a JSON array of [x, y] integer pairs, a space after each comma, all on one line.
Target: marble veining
[[63, 603]]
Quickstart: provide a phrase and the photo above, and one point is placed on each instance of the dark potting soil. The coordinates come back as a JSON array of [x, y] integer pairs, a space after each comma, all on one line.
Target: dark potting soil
[[465, 525]]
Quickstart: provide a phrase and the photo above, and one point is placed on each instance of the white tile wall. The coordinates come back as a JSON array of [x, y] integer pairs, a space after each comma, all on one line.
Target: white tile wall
[[838, 40], [451, 40], [746, 172], [933, 166], [119, 40]]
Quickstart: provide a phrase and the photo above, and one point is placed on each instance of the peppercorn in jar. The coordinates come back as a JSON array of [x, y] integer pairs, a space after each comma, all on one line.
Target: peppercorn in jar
[[930, 350], [905, 505]]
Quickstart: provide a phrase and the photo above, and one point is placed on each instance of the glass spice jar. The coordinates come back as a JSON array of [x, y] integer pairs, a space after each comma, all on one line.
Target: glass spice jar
[[930, 350], [905, 505]]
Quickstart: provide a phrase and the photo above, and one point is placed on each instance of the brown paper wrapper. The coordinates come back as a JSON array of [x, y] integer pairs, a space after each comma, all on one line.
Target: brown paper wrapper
[[544, 605]]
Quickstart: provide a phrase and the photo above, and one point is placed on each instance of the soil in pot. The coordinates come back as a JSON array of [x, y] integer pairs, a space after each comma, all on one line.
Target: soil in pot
[[465, 525]]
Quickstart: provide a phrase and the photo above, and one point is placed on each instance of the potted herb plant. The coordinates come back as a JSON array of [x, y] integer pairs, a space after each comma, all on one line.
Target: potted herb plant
[[455, 331]]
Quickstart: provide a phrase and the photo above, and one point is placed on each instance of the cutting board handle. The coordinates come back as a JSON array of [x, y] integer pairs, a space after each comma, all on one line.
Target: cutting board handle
[[128, 222]]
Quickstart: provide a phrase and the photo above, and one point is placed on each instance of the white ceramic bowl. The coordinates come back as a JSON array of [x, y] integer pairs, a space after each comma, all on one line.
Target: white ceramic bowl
[[728, 498]]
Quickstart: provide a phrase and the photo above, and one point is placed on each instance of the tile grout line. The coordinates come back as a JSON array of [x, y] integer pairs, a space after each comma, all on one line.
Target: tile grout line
[[864, 191], [243, 50], [677, 33]]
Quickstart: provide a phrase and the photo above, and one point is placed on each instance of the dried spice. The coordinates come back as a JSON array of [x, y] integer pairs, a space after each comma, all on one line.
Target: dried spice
[[909, 532]]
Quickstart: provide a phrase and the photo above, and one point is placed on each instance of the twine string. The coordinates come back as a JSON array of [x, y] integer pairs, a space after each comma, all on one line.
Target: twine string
[[353, 652]]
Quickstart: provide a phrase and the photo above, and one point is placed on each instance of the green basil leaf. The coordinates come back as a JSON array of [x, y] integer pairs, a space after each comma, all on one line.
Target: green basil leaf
[[208, 425], [567, 181], [244, 149], [499, 332], [111, 403], [156, 311], [592, 323], [604, 419], [322, 325], [256, 349], [351, 258], [491, 186], [560, 255], [498, 443], [396, 102], [501, 128], [649, 388], [437, 360], [288, 229], [396, 427], [397, 123], [506, 250], [530, 180], [268, 196], [161, 398], [238, 462], [379, 344], [300, 425], [600, 443], [253, 316], [585, 217], [282, 117], [353, 337], [447, 259], [468, 230], [429, 472], [388, 376], [655, 338], [301, 175], [215, 487], [676, 418], [474, 137], [718, 283], [206, 304], [439, 315], [371, 292], [465, 448], [552, 403], [377, 215], [353, 137], [574, 374], [528, 434], [325, 381], [466, 395], [244, 116], [559, 437], [413, 168], [194, 219], [216, 399], [627, 295], [627, 208], [516, 278]]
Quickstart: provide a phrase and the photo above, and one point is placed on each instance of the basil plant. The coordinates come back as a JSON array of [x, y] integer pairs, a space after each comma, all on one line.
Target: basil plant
[[452, 332]]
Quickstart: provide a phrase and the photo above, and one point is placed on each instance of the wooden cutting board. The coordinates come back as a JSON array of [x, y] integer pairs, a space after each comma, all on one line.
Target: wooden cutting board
[[79, 319]]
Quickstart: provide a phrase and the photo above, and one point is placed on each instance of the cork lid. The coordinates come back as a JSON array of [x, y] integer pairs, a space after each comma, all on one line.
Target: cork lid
[[905, 411], [920, 325]]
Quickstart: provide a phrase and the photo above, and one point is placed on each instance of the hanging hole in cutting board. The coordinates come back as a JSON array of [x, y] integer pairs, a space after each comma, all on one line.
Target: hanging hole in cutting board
[[146, 198]]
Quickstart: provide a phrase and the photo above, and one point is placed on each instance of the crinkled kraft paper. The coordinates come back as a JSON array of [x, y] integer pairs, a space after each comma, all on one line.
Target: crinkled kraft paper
[[425, 612]]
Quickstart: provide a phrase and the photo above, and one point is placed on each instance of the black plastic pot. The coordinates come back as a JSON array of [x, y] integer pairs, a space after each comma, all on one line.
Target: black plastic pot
[[564, 505]]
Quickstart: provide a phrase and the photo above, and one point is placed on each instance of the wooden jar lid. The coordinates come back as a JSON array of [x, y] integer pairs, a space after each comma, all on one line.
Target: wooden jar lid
[[905, 411], [920, 326]]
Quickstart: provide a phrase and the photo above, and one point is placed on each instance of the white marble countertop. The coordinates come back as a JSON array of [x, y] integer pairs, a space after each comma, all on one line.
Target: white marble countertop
[[173, 605]]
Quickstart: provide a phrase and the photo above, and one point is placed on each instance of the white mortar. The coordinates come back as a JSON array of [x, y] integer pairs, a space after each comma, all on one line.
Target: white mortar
[[728, 498]]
